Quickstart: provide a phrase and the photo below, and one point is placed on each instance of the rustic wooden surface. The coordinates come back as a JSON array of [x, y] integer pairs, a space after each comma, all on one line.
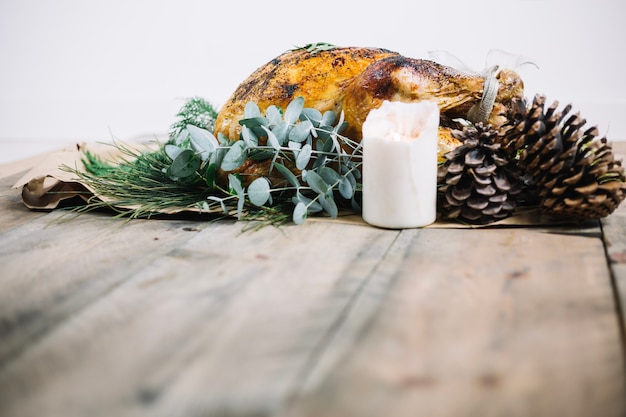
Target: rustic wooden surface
[[103, 317]]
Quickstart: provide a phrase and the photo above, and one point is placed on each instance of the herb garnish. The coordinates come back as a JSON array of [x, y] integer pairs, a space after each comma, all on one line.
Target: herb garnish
[[318, 166]]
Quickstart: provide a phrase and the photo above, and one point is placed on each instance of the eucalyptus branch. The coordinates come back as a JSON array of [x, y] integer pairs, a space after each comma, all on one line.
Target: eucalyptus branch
[[319, 165]]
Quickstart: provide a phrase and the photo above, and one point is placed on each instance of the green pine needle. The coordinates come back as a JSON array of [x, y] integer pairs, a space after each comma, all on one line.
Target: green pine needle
[[316, 47], [197, 112], [95, 165], [137, 187]]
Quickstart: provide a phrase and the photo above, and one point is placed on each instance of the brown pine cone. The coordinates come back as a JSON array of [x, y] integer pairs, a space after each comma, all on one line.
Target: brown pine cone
[[575, 173], [477, 181]]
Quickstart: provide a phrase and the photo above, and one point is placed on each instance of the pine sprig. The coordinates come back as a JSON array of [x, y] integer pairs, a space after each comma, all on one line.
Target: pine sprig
[[136, 187], [197, 112], [95, 165], [316, 47]]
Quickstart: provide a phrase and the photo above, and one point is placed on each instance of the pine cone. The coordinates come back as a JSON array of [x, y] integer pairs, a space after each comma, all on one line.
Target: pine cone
[[477, 182], [575, 174]]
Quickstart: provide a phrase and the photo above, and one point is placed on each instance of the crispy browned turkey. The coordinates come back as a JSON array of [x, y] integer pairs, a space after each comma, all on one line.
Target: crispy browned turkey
[[356, 80]]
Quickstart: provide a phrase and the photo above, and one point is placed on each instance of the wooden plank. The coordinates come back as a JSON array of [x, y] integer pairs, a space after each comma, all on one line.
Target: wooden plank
[[12, 209], [51, 267], [513, 322], [614, 229], [222, 324]]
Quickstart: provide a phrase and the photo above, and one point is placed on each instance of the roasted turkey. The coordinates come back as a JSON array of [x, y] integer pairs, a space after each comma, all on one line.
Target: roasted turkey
[[356, 80]]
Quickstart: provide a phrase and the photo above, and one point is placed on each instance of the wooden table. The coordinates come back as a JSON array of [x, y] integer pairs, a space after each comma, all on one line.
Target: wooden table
[[104, 317]]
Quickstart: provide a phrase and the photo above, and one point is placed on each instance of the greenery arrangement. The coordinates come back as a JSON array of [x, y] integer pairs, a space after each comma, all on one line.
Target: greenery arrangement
[[313, 168]]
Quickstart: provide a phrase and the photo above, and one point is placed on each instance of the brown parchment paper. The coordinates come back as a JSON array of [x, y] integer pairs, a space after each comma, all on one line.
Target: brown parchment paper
[[46, 185]]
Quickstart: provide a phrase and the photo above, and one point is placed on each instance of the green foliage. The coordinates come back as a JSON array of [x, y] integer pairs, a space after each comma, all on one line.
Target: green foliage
[[95, 165], [312, 169], [196, 112], [304, 146], [138, 186], [315, 47]]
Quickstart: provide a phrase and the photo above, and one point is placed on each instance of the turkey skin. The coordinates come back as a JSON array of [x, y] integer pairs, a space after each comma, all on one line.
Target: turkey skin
[[356, 80]]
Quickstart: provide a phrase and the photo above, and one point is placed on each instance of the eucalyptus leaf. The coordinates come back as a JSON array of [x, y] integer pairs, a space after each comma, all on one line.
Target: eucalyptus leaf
[[289, 176], [335, 143], [249, 137], [348, 170], [293, 110], [349, 177], [329, 144], [185, 165], [281, 131], [254, 122], [320, 161], [202, 141], [341, 125], [319, 144], [316, 182], [323, 132], [294, 146], [182, 137], [210, 175], [312, 115], [259, 191], [312, 205], [329, 117], [328, 203], [234, 184], [235, 157], [345, 188], [260, 154], [240, 203], [304, 156], [299, 213], [273, 115], [251, 110], [329, 175], [274, 159], [217, 156], [301, 131], [272, 139], [223, 139], [172, 151], [219, 200]]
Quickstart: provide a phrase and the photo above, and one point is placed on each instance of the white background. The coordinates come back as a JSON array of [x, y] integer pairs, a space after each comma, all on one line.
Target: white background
[[80, 70]]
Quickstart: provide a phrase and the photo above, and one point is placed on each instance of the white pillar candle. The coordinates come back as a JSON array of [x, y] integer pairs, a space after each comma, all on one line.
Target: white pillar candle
[[400, 165]]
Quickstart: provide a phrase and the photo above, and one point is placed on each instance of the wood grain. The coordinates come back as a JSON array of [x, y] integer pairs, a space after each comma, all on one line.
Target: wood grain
[[222, 324], [12, 210], [511, 322], [614, 232], [51, 267]]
